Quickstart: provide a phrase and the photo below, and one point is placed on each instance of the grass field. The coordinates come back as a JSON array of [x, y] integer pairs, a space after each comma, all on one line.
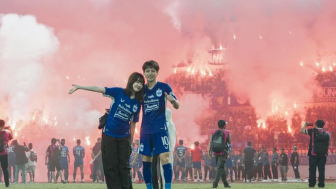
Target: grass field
[[175, 186]]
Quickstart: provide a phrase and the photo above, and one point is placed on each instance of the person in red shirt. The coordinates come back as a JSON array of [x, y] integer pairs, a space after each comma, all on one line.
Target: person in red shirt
[[6, 135], [196, 155]]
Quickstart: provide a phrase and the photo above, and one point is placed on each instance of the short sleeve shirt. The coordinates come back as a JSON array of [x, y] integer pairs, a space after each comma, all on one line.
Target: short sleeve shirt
[[154, 108], [123, 111]]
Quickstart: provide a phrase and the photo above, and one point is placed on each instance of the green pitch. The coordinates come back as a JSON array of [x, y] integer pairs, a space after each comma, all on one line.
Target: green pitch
[[175, 186]]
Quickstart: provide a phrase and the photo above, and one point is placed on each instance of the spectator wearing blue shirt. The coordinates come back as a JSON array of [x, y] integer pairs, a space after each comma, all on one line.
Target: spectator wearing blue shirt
[[234, 163], [275, 163], [266, 164], [119, 129], [154, 131], [240, 165]]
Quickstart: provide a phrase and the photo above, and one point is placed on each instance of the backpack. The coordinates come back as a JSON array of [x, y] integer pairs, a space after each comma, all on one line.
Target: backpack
[[56, 153], [33, 156], [321, 142], [3, 145], [218, 144]]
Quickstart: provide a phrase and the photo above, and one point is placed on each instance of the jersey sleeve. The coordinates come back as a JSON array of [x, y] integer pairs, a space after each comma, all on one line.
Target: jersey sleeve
[[112, 92], [169, 91]]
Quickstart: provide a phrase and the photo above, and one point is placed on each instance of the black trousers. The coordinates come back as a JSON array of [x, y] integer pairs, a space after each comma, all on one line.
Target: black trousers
[[241, 170], [260, 170], [206, 171], [4, 166], [318, 162], [156, 172], [115, 154], [275, 170], [97, 165], [267, 172], [234, 169], [248, 170], [296, 171]]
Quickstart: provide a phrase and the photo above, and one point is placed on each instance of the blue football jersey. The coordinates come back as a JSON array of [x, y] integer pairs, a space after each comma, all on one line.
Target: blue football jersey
[[64, 152], [78, 152], [181, 151], [123, 111], [154, 108]]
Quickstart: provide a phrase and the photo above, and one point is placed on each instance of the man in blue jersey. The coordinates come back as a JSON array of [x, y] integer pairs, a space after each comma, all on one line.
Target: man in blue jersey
[[154, 133], [65, 160], [79, 153], [180, 153]]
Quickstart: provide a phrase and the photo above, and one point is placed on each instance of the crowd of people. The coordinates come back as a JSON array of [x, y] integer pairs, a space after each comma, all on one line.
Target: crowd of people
[[199, 81], [326, 77]]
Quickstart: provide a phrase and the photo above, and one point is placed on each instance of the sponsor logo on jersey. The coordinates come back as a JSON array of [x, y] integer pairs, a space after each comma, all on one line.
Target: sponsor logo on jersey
[[135, 108]]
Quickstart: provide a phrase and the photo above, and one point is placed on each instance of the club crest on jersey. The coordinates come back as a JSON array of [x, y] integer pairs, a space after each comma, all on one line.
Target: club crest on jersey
[[135, 108], [141, 147], [159, 92]]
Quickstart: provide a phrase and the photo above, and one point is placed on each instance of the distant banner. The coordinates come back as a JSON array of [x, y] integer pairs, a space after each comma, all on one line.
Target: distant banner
[[325, 94], [219, 100]]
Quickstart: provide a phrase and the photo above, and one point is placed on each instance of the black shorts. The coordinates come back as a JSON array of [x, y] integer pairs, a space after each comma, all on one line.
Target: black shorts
[[181, 164], [54, 165]]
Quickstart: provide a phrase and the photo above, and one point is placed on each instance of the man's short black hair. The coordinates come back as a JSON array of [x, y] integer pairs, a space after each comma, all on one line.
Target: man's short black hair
[[320, 123], [2, 123], [151, 64], [196, 143], [275, 149], [181, 142], [78, 141], [221, 123], [53, 140], [249, 143]]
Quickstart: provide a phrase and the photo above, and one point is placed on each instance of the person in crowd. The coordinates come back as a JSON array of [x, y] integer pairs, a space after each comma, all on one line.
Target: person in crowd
[[137, 162], [275, 163], [6, 135], [234, 159], [54, 153], [212, 167], [180, 154], [32, 159], [189, 166], [79, 154], [255, 169], [154, 132], [283, 162], [196, 155], [317, 152], [248, 158], [21, 160], [295, 162], [228, 167], [207, 163], [47, 163], [266, 164], [65, 160], [240, 165], [97, 170], [218, 146], [260, 165], [119, 129], [11, 162]]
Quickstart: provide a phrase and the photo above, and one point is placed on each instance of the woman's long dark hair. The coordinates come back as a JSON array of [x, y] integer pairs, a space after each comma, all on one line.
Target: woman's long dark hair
[[134, 77]]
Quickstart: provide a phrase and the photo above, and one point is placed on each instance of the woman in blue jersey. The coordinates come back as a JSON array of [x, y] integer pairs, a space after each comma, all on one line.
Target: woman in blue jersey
[[119, 130]]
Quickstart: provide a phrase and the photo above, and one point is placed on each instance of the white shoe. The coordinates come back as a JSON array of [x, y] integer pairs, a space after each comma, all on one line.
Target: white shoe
[[195, 180], [201, 180]]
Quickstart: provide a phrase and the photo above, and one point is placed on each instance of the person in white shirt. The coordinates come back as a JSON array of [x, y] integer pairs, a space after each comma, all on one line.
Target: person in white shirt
[[32, 159]]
